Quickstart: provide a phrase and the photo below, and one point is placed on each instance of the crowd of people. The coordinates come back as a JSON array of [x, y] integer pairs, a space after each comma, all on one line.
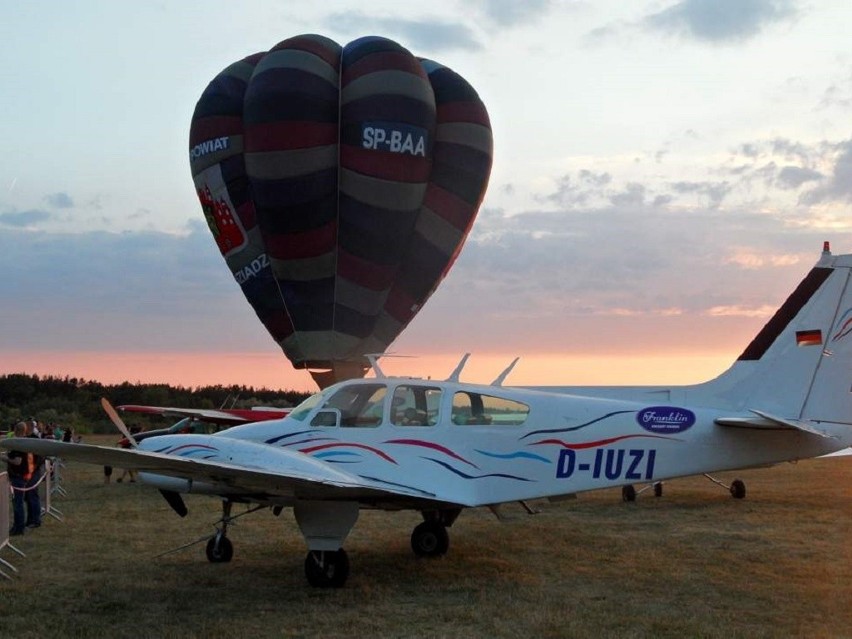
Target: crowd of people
[[26, 471]]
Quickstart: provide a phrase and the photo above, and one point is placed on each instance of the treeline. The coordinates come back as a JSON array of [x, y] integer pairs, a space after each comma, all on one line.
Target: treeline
[[75, 402]]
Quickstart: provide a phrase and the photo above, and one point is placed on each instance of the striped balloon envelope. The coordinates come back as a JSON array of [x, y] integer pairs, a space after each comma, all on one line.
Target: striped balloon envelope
[[339, 184]]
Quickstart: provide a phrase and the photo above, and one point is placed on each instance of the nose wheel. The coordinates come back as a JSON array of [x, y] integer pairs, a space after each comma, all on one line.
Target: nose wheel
[[219, 550], [327, 568]]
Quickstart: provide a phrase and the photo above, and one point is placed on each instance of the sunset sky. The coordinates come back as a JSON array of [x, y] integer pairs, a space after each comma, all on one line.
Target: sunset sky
[[665, 173]]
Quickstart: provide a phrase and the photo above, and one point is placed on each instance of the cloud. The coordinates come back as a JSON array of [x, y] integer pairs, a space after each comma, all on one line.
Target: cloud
[[421, 36], [589, 185], [818, 171], [59, 200], [720, 21], [645, 275], [508, 13], [632, 196], [714, 191], [838, 188], [791, 150], [838, 94], [748, 259], [23, 219], [739, 311], [630, 312], [142, 290], [792, 177]]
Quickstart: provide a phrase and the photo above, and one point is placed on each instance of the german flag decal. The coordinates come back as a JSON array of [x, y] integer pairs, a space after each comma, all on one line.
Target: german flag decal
[[808, 338]]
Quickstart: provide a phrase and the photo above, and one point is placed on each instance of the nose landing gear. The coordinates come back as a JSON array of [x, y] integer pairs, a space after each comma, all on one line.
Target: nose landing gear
[[327, 568]]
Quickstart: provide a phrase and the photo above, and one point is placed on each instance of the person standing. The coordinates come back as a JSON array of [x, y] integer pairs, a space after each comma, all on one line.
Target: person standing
[[125, 443], [32, 498], [18, 465]]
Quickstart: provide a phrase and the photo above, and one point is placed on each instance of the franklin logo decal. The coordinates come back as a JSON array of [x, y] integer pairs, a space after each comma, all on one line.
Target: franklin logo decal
[[665, 419]]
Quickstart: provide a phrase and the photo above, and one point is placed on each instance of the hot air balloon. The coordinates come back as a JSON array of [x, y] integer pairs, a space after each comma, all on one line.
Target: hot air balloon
[[339, 184]]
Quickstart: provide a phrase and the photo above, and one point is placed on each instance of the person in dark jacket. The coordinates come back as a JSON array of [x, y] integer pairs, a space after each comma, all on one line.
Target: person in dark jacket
[[19, 465]]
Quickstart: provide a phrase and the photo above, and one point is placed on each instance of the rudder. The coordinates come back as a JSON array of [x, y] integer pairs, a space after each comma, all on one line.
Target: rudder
[[790, 368]]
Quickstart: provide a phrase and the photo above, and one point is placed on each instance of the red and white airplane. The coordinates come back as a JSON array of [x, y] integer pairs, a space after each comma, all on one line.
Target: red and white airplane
[[219, 416], [197, 420], [443, 446]]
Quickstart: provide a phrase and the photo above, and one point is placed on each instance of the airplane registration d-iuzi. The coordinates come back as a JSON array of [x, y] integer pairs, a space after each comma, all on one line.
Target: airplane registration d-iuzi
[[442, 446]]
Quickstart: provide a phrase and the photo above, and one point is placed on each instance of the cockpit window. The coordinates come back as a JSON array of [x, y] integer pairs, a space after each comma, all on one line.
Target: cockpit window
[[415, 405], [480, 410], [301, 411], [359, 404]]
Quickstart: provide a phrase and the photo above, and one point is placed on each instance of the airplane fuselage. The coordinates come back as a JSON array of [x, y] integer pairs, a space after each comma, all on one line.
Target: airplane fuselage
[[487, 445]]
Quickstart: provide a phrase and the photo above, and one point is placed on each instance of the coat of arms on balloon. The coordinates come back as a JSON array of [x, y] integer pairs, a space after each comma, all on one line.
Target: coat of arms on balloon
[[339, 184]]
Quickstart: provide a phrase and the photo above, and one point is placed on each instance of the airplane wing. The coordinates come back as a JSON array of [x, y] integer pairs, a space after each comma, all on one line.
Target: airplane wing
[[284, 476], [230, 417], [765, 421]]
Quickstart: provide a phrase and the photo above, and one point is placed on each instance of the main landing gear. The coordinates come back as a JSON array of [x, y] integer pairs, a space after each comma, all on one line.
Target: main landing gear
[[327, 568], [430, 539], [737, 487], [629, 493], [219, 549], [325, 526]]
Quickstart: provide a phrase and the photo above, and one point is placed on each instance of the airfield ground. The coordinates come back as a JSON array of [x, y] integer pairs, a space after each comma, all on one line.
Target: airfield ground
[[694, 563]]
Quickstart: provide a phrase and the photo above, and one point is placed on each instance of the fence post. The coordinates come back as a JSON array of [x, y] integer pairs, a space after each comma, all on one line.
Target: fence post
[[57, 467], [48, 491], [5, 491]]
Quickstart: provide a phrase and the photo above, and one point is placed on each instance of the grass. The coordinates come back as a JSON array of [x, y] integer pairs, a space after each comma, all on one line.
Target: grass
[[695, 563]]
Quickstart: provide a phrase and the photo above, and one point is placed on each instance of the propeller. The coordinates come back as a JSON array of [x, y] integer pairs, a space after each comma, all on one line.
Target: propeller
[[119, 423]]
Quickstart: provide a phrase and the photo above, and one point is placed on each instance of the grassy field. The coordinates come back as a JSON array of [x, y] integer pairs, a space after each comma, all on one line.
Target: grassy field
[[694, 563]]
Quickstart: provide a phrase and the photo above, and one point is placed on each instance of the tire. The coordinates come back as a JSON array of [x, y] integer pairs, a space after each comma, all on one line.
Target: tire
[[628, 493], [327, 568], [658, 489], [430, 539], [738, 489], [220, 550]]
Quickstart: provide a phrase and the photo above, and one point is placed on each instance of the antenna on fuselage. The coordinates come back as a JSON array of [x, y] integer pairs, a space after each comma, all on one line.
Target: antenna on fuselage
[[502, 376], [454, 376]]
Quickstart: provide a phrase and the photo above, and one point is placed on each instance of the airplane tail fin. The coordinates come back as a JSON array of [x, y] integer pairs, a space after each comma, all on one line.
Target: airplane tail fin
[[799, 366]]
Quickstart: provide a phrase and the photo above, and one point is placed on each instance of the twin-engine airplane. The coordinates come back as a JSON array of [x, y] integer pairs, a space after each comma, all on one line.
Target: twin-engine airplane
[[220, 417], [442, 446], [197, 420]]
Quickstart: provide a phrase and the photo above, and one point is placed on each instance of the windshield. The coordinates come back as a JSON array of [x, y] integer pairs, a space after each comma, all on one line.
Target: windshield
[[359, 404], [301, 411]]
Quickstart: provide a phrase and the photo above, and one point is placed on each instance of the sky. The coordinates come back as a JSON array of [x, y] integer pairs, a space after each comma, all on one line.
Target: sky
[[665, 173]]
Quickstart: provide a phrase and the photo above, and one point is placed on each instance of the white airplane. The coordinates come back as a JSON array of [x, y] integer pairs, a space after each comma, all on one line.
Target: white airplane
[[442, 446]]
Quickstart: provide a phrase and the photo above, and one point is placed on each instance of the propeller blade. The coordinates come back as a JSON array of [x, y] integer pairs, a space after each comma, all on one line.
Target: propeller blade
[[175, 501], [119, 424]]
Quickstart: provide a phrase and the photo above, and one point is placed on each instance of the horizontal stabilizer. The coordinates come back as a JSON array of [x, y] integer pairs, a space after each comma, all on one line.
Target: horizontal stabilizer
[[766, 421]]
